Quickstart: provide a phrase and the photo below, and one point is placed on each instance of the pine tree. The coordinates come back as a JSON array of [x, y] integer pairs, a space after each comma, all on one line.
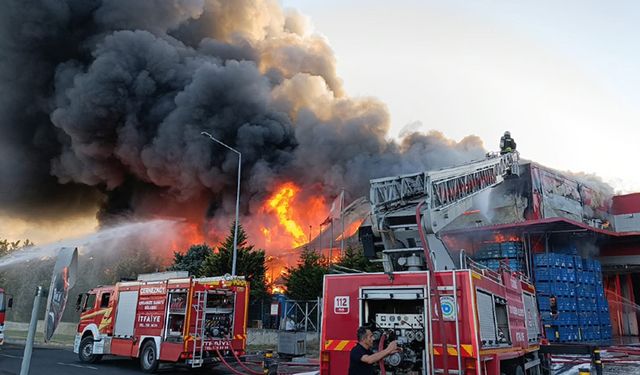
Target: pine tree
[[304, 281], [250, 262], [354, 259], [192, 260]]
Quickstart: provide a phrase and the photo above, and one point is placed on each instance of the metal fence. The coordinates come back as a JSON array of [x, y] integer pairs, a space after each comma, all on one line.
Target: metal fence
[[292, 315], [302, 315]]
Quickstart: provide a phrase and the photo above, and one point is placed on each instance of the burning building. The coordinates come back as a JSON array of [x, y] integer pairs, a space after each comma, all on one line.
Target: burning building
[[544, 212]]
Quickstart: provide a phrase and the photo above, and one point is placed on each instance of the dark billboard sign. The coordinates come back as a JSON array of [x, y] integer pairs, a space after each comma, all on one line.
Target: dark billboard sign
[[64, 277]]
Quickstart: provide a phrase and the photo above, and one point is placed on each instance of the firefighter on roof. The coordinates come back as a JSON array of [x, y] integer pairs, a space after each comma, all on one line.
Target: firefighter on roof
[[507, 144]]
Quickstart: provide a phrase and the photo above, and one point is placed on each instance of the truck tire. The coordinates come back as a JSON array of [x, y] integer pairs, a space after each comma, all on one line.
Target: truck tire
[[149, 358], [535, 370], [513, 369], [85, 352]]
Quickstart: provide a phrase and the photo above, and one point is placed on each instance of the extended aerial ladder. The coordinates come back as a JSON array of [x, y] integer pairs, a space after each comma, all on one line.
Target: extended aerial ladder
[[445, 195]]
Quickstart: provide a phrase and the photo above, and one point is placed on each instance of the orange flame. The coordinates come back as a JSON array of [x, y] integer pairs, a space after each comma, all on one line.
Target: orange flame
[[351, 229], [189, 234], [280, 203], [286, 215], [500, 237]]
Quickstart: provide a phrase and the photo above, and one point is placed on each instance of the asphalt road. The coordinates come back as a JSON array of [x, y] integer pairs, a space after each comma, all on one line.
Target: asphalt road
[[54, 361]]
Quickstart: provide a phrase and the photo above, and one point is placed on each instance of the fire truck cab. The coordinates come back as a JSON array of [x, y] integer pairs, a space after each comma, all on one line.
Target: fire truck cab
[[164, 317], [448, 314]]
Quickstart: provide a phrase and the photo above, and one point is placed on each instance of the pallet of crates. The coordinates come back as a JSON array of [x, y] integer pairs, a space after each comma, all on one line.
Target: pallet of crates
[[488, 255], [511, 250], [513, 253], [555, 276], [602, 309]]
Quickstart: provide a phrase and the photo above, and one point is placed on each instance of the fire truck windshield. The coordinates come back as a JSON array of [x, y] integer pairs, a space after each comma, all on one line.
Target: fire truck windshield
[[89, 302], [3, 306]]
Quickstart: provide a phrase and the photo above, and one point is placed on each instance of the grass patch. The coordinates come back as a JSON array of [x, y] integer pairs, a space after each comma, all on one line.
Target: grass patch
[[62, 340]]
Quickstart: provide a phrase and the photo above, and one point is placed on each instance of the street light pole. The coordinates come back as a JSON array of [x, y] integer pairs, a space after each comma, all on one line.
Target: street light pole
[[235, 232]]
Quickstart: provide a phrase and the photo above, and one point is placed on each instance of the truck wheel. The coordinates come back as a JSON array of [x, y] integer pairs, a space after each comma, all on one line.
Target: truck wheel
[[512, 370], [85, 353], [148, 358]]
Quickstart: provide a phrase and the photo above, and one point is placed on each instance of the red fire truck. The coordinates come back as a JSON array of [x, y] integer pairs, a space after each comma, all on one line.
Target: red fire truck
[[5, 302], [448, 314], [164, 317]]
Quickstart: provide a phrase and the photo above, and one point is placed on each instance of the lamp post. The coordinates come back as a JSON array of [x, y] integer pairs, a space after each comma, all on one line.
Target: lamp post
[[235, 232]]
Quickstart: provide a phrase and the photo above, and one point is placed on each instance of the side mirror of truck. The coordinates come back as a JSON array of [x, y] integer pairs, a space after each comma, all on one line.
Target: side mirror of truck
[[10, 303], [79, 302]]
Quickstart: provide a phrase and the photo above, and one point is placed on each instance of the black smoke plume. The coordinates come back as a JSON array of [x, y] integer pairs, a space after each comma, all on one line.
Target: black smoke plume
[[102, 103]]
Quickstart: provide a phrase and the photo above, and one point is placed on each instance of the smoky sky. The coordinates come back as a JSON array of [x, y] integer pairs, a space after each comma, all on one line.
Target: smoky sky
[[102, 104]]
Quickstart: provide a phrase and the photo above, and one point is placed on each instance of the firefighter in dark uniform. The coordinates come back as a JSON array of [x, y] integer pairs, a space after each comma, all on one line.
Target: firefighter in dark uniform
[[362, 358], [507, 144]]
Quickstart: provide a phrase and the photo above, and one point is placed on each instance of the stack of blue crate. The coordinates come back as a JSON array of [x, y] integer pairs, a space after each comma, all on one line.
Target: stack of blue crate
[[491, 254], [555, 275], [602, 309], [582, 309]]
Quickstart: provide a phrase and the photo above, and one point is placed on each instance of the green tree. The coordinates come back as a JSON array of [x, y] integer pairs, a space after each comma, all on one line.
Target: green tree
[[192, 260], [354, 259], [250, 262], [304, 281]]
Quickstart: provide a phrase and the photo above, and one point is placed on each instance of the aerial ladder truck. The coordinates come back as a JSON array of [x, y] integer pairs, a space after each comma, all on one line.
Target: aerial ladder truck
[[448, 314]]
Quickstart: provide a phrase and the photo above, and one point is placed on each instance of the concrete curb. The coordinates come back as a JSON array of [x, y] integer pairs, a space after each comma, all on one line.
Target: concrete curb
[[65, 333], [39, 345]]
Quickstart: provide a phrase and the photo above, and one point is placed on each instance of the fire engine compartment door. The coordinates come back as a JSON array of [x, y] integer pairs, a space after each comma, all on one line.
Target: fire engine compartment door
[[393, 293], [486, 319], [531, 317], [126, 315]]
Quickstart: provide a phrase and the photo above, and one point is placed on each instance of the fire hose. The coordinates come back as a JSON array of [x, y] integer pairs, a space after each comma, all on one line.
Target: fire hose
[[381, 361], [226, 364], [243, 365]]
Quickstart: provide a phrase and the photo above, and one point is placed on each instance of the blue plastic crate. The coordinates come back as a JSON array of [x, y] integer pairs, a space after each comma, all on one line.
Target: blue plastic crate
[[587, 319], [567, 333], [512, 253], [597, 266], [605, 331], [566, 261], [567, 304], [546, 274], [544, 304], [588, 264], [546, 260], [604, 318], [566, 318], [515, 265], [551, 333], [577, 263]]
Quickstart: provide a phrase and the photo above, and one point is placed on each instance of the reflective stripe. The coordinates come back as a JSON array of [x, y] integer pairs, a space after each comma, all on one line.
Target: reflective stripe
[[467, 350], [339, 345]]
